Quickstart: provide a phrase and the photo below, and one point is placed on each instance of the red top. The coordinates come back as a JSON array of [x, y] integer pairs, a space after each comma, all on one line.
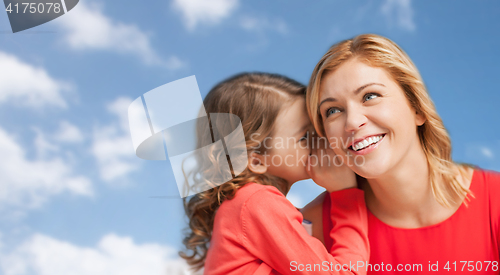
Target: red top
[[470, 235], [260, 232]]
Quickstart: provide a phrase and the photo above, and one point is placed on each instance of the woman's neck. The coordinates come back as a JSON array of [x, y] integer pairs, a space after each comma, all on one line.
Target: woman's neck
[[403, 196]]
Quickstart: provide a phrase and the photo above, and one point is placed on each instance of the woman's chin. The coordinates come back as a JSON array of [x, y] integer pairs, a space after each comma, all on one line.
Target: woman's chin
[[369, 170]]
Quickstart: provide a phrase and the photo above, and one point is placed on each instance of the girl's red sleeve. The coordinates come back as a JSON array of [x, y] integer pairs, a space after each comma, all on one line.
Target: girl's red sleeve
[[272, 231]]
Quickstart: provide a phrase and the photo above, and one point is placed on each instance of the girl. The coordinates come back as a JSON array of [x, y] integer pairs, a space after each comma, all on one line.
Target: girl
[[426, 212], [246, 225]]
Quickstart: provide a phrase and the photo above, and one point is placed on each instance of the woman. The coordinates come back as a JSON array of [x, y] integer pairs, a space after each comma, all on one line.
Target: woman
[[426, 212]]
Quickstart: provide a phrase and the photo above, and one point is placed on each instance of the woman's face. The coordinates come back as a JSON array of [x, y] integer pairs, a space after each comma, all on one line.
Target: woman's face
[[367, 118]]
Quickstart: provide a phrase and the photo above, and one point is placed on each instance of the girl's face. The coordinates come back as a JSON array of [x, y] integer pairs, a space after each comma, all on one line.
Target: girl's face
[[288, 148], [367, 118]]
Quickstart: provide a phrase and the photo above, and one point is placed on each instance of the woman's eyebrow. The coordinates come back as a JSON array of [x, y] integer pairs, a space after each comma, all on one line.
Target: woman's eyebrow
[[357, 91]]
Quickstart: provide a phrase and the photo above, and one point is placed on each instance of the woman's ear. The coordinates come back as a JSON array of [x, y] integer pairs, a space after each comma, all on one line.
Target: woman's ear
[[419, 118], [257, 163]]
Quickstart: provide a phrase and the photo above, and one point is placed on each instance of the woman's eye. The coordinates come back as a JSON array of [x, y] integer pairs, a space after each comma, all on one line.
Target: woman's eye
[[370, 96], [332, 111]]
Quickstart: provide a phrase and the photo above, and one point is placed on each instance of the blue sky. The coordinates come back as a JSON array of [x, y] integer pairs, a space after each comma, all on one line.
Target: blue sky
[[73, 196]]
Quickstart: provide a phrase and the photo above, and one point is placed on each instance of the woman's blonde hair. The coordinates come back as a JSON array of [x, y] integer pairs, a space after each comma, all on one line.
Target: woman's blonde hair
[[378, 51], [256, 98]]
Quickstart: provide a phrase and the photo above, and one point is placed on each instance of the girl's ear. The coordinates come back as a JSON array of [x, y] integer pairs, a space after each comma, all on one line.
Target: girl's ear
[[257, 163]]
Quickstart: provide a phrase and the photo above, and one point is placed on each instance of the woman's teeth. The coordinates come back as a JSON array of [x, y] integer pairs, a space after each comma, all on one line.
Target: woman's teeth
[[366, 142]]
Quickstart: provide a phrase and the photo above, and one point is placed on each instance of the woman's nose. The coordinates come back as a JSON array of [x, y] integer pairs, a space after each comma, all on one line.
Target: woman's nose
[[355, 120]]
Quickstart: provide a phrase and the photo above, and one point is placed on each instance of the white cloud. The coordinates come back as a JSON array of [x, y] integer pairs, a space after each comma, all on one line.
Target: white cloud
[[112, 144], [263, 28], [27, 85], [401, 11], [88, 28], [482, 154], [197, 12], [486, 152], [119, 108], [68, 133], [28, 183], [44, 255], [263, 24], [42, 145]]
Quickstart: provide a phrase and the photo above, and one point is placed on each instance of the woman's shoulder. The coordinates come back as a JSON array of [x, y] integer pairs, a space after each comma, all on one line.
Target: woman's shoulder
[[491, 176], [486, 187], [485, 183], [488, 178]]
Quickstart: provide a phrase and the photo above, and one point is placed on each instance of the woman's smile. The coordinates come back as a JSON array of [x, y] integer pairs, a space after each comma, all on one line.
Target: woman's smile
[[366, 145]]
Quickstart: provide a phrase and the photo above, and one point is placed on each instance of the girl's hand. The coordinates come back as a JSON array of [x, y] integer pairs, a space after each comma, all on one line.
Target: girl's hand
[[327, 170]]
